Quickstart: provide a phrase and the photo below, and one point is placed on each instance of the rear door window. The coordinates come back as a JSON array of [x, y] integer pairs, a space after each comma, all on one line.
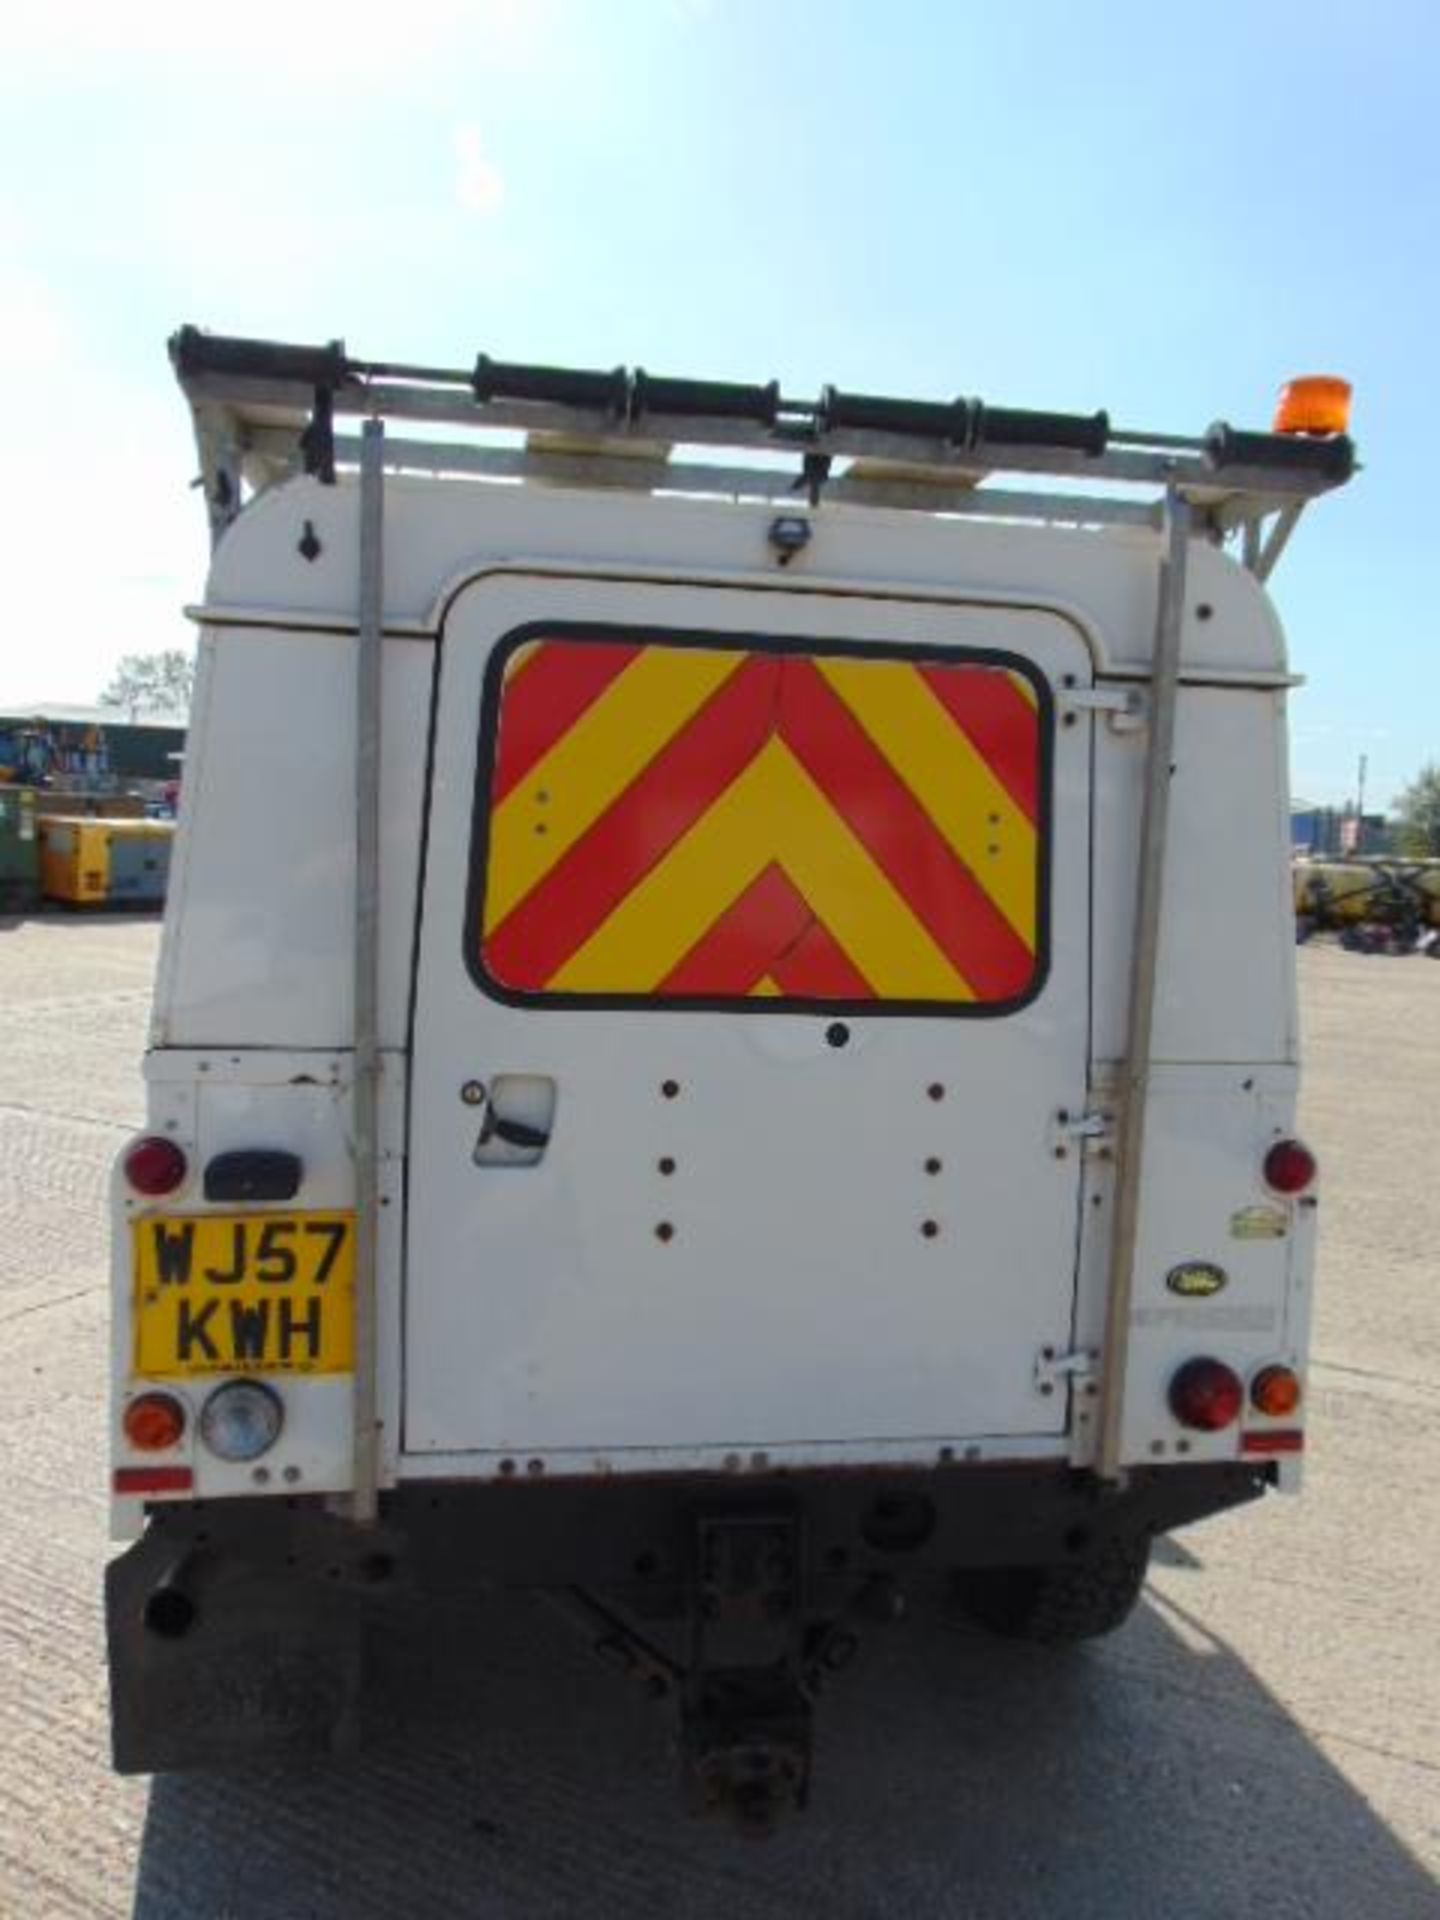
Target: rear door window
[[723, 821]]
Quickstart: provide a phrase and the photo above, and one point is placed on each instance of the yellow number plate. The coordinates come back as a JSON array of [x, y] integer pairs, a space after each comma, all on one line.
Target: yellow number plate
[[244, 1293]]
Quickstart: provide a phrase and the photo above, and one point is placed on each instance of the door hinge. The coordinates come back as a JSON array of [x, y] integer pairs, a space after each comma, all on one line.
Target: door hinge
[[1052, 1367], [1090, 1132], [1124, 707]]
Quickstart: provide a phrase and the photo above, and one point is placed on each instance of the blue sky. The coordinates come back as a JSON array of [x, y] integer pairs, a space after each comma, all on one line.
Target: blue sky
[[1152, 209]]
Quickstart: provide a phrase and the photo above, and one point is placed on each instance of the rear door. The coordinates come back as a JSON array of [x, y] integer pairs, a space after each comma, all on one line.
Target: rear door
[[752, 977]]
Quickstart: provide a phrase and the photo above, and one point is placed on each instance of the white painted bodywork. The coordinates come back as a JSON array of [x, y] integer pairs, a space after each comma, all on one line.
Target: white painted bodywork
[[531, 1316]]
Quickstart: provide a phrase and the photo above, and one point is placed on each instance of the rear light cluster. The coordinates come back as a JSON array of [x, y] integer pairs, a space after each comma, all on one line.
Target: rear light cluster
[[154, 1423], [1275, 1393], [239, 1421], [1207, 1396], [155, 1166]]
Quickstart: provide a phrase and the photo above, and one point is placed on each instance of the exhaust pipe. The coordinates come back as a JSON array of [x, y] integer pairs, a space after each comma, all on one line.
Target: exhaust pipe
[[170, 1610]]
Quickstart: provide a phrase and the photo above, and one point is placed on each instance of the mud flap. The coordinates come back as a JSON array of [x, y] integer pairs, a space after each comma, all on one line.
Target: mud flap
[[215, 1660]]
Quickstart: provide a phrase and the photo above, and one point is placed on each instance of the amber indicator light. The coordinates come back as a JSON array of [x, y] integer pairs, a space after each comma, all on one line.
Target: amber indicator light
[[153, 1421], [1275, 1391]]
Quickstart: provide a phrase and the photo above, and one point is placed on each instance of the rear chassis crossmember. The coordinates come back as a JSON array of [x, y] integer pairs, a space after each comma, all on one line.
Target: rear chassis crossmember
[[239, 1627]]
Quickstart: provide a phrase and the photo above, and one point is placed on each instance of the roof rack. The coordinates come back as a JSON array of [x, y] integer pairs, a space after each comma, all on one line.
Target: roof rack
[[265, 410]]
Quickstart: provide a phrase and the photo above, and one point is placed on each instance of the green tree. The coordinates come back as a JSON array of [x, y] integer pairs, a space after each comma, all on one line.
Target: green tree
[[152, 683], [1418, 810]]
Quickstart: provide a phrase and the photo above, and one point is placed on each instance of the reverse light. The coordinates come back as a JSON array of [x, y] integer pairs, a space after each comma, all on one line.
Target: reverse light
[[1206, 1395], [1315, 403], [1290, 1167], [241, 1420], [152, 1422], [1275, 1392], [154, 1165]]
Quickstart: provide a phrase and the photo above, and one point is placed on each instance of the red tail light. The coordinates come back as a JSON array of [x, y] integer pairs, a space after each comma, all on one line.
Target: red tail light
[[154, 1165], [1289, 1167], [1206, 1395]]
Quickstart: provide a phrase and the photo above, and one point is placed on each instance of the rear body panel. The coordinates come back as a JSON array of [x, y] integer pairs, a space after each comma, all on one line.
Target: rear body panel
[[531, 1317]]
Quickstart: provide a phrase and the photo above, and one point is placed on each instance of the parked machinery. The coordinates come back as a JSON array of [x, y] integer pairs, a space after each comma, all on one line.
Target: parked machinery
[[1345, 893], [105, 862], [19, 851]]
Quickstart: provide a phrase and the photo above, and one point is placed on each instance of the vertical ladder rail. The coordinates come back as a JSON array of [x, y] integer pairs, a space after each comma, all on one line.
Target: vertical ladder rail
[[1133, 1092], [365, 1094]]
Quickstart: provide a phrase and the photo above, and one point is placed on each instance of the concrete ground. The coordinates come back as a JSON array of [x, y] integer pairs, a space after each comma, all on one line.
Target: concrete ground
[[1263, 1738]]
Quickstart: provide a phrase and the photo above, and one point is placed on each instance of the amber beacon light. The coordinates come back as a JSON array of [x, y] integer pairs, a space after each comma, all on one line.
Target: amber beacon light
[[1314, 403]]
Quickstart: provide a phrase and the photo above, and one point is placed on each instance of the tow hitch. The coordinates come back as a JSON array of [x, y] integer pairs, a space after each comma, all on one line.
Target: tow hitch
[[746, 1707], [752, 1666]]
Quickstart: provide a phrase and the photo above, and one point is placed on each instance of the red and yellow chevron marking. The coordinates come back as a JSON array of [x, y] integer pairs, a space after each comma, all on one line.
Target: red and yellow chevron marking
[[704, 822]]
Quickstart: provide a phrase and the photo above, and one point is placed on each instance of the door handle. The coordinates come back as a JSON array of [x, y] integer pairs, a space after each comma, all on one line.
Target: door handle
[[514, 1133], [518, 1121]]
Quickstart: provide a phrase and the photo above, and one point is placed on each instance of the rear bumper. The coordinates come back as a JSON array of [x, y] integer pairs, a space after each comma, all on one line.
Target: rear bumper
[[238, 1627]]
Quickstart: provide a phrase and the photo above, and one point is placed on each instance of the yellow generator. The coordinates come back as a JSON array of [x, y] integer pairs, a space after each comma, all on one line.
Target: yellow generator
[[1341, 892], [105, 862]]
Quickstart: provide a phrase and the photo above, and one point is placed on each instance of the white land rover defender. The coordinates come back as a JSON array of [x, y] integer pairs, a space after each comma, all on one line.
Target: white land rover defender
[[725, 1042]]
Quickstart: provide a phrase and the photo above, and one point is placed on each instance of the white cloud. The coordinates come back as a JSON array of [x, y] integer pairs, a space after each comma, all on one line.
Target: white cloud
[[33, 332], [281, 43], [479, 183]]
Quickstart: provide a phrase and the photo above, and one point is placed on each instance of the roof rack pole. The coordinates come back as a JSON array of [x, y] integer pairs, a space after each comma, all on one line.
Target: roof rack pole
[[364, 1503], [217, 442], [1134, 1087], [1281, 528]]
